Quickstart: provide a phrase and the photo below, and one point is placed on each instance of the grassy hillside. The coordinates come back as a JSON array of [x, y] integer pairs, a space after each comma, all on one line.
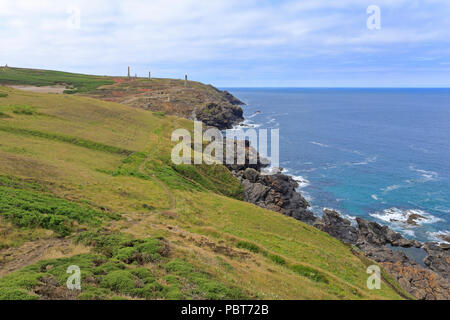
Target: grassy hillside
[[170, 96], [76, 83], [90, 183]]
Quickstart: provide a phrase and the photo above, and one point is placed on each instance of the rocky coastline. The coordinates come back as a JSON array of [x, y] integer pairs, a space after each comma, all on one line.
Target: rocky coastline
[[279, 192], [221, 116]]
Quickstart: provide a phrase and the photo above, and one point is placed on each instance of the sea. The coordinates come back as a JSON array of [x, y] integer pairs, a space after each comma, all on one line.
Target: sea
[[379, 154]]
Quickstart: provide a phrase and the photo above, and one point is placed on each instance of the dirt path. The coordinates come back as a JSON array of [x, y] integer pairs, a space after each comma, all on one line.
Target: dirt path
[[44, 89], [29, 253]]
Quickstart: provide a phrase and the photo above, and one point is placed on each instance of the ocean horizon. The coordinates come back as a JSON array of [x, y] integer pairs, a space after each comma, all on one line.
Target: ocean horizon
[[376, 153]]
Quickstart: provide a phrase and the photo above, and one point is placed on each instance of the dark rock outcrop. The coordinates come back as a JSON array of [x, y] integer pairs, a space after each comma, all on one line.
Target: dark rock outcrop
[[338, 227], [275, 192], [232, 99], [438, 259], [220, 116], [251, 158], [371, 238], [378, 235], [423, 284]]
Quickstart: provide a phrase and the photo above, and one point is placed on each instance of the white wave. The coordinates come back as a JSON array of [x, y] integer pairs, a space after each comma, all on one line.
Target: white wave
[[270, 171], [307, 196], [254, 115], [426, 175], [323, 145], [246, 124], [440, 236], [409, 232], [302, 182], [399, 216], [330, 166], [351, 151], [442, 209], [375, 197], [391, 188], [366, 161]]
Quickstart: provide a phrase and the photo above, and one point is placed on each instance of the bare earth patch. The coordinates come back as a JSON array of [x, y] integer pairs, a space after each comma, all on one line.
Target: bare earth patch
[[44, 89], [13, 259]]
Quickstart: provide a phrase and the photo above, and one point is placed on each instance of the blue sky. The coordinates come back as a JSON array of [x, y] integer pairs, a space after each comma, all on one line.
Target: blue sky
[[293, 43]]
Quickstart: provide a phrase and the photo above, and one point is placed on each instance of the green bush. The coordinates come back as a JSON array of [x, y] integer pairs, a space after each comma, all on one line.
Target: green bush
[[16, 294], [120, 281], [200, 283], [179, 267], [93, 293], [277, 259], [123, 247], [106, 244], [126, 254], [24, 110], [32, 209], [248, 246], [3, 95], [310, 273], [159, 114]]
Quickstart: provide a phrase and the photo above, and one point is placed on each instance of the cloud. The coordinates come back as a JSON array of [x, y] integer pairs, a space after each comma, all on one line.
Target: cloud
[[214, 39]]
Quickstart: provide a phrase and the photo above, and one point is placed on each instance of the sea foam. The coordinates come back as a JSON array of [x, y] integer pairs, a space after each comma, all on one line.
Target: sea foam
[[399, 216]]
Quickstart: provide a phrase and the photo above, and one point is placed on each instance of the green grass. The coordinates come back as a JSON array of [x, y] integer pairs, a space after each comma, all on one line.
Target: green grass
[[310, 273], [67, 139], [248, 246], [81, 83], [4, 115], [30, 209], [176, 232]]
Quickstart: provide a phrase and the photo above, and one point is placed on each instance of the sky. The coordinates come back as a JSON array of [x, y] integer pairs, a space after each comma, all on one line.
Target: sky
[[235, 43]]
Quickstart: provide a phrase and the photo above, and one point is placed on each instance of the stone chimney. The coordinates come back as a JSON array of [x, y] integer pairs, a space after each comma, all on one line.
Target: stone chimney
[[186, 81], [128, 72]]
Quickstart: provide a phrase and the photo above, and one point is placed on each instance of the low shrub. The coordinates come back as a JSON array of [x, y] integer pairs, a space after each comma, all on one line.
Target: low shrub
[[277, 259], [24, 110], [248, 246], [31, 209], [310, 273]]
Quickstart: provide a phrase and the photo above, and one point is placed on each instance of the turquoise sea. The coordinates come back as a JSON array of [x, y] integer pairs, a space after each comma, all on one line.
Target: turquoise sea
[[382, 154]]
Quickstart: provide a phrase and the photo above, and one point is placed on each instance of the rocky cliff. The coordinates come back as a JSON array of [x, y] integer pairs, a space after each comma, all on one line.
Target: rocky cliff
[[278, 193]]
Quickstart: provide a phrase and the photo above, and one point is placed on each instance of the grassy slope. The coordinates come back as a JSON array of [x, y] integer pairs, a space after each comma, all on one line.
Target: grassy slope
[[76, 83], [172, 232], [164, 95]]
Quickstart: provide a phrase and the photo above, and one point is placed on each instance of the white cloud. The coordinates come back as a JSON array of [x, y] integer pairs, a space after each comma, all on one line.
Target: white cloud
[[166, 33]]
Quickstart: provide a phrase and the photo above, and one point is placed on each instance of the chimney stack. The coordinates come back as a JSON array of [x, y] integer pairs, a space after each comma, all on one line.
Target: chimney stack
[[186, 81], [128, 72]]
